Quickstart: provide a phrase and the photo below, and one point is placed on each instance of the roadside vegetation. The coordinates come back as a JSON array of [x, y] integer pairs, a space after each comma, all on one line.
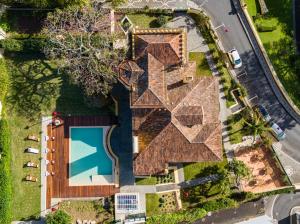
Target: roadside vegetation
[[276, 33]]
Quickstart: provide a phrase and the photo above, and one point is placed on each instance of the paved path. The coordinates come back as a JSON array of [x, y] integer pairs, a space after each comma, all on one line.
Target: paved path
[[156, 4], [121, 138], [45, 122]]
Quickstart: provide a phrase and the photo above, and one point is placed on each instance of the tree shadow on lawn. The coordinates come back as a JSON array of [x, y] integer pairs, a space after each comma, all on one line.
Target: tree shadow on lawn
[[33, 86]]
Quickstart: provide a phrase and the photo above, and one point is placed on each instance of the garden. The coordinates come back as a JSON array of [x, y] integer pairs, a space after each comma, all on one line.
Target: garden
[[202, 67], [276, 33], [265, 171], [153, 180], [37, 88], [161, 203], [87, 210]]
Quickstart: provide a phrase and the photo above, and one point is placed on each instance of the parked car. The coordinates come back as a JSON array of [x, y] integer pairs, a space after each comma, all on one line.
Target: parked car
[[266, 116], [278, 131], [235, 58]]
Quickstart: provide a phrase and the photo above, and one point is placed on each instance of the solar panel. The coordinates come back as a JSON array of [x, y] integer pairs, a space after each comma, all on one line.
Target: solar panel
[[126, 202]]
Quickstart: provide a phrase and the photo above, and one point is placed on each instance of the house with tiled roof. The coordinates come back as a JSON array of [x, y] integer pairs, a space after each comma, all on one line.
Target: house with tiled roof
[[175, 114]]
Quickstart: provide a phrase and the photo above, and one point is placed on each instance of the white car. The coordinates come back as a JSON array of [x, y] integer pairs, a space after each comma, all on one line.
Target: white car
[[235, 58], [278, 131]]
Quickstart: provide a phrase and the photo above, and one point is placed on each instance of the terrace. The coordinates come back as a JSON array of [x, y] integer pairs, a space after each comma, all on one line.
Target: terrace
[[265, 172], [58, 185]]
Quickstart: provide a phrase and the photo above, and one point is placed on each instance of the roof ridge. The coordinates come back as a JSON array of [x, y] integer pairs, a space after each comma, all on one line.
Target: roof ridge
[[148, 89], [219, 123]]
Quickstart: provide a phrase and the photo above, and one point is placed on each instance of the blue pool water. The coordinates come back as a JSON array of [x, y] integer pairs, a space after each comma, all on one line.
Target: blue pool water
[[87, 155]]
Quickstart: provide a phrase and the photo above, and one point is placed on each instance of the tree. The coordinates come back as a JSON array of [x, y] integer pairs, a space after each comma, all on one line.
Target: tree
[[116, 3], [45, 3], [255, 125], [161, 20], [240, 169], [82, 39], [59, 217]]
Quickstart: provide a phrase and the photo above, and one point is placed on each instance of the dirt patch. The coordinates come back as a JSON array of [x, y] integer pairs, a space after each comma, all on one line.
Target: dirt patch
[[265, 173]]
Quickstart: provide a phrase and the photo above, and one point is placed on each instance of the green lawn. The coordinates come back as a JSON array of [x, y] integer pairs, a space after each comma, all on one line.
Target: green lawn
[[36, 90], [236, 128], [252, 7], [152, 204], [196, 170], [279, 44], [143, 20], [201, 63], [145, 181]]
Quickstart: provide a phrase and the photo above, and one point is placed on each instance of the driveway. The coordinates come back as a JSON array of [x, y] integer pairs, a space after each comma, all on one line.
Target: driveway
[[232, 34]]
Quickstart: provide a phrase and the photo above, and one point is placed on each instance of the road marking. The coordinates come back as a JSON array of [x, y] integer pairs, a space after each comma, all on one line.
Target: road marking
[[244, 73], [272, 207], [252, 98], [222, 25]]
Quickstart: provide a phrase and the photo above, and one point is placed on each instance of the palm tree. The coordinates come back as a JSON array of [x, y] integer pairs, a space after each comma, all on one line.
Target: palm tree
[[256, 126]]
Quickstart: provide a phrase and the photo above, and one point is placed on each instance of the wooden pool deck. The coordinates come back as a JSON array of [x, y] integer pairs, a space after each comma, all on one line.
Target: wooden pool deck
[[58, 184]]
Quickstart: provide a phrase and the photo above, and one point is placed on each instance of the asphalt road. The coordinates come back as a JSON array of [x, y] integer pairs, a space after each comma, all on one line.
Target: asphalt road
[[283, 205], [232, 34]]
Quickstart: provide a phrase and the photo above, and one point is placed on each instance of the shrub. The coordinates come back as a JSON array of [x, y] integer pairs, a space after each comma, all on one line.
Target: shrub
[[161, 20], [265, 28], [218, 204], [59, 217], [26, 45], [5, 176], [4, 79], [181, 216]]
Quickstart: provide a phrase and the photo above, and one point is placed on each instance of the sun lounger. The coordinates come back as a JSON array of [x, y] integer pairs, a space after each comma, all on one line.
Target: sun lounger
[[31, 178], [32, 164], [78, 221], [32, 150], [33, 138]]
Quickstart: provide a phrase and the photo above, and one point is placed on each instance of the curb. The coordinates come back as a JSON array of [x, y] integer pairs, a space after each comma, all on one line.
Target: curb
[[269, 69]]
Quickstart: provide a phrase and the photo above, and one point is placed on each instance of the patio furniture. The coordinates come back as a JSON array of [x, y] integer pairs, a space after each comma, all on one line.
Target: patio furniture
[[31, 178], [78, 221], [33, 138], [32, 164], [32, 150]]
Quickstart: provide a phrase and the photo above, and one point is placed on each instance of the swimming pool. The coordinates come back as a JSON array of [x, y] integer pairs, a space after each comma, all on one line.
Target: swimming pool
[[89, 161]]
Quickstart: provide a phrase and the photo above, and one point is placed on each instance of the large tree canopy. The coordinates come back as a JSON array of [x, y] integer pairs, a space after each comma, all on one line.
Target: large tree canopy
[[82, 39], [44, 3]]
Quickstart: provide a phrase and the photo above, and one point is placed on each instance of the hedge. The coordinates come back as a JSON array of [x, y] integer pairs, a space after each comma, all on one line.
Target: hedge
[[5, 175], [4, 79], [183, 216], [265, 28], [25, 45], [218, 204]]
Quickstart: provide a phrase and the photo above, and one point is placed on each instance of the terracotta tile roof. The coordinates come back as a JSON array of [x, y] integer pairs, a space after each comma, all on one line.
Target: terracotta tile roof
[[175, 120]]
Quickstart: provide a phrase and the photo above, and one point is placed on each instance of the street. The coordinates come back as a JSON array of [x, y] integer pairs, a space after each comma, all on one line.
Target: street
[[233, 35]]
